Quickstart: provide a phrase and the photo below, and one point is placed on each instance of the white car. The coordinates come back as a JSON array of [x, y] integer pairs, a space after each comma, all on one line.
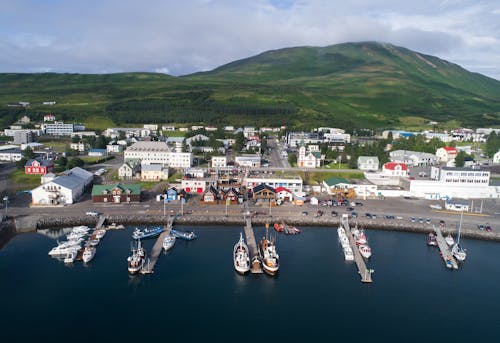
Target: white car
[[92, 213]]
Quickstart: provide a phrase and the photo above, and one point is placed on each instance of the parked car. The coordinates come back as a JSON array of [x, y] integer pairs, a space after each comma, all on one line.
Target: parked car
[[488, 228], [304, 213], [335, 214], [319, 213], [399, 218], [442, 222], [359, 203], [427, 220], [412, 219], [92, 213], [480, 226], [350, 209], [354, 214], [389, 216], [368, 215], [420, 220]]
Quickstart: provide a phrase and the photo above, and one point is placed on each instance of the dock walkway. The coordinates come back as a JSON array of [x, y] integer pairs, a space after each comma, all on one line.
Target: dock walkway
[[100, 222], [366, 274], [252, 246], [157, 248], [444, 249]]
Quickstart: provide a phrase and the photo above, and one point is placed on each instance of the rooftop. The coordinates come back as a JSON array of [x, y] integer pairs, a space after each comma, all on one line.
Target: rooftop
[[149, 146]]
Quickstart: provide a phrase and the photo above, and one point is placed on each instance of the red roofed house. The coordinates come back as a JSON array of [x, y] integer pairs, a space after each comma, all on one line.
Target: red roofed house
[[284, 194], [395, 169], [40, 167], [446, 154]]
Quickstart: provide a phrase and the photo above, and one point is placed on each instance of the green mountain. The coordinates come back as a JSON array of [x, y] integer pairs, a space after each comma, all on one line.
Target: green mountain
[[351, 85]]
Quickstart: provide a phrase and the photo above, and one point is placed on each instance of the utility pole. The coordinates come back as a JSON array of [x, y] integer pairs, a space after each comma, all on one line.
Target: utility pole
[[6, 199]]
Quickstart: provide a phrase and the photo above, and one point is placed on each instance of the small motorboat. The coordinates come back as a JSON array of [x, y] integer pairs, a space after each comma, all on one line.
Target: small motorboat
[[70, 257], [449, 240], [279, 227], [168, 242], [88, 253], [99, 233], [431, 239], [189, 236], [146, 233], [94, 242], [365, 250]]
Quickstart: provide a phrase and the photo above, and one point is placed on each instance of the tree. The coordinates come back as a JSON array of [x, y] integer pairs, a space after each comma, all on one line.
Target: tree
[[492, 144], [239, 142], [184, 146], [75, 162], [292, 159], [28, 153], [460, 159]]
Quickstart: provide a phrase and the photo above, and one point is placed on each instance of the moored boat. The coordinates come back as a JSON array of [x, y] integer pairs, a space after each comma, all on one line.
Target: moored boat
[[365, 250], [348, 254], [241, 259], [457, 250], [431, 239], [449, 240], [146, 233], [359, 236], [279, 227], [270, 258], [183, 235], [70, 257], [137, 259], [99, 233], [168, 242], [88, 253], [94, 242]]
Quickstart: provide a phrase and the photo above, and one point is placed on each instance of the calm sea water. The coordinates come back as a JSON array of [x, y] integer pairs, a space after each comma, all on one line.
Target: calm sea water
[[196, 295]]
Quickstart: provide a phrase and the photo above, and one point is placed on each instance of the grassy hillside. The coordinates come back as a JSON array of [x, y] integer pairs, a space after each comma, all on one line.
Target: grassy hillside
[[348, 85]]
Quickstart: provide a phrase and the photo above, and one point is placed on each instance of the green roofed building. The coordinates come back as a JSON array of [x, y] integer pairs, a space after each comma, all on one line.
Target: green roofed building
[[336, 181], [116, 193]]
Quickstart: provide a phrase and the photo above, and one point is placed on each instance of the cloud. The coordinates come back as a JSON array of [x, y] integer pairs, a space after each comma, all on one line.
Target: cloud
[[193, 35]]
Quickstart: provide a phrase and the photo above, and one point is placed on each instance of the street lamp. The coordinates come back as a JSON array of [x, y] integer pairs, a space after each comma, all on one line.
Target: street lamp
[[6, 199]]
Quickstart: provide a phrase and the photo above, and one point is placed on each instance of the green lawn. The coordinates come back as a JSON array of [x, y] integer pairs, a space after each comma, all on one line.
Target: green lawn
[[22, 181], [57, 145], [98, 123]]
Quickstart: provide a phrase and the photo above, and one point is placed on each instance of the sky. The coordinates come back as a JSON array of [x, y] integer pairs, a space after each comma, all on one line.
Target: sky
[[179, 37]]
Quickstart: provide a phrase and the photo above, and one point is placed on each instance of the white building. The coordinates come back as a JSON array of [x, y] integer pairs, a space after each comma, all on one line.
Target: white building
[[308, 159], [368, 163], [129, 171], [64, 189], [114, 148], [446, 154], [58, 128], [10, 153], [248, 160], [496, 157], [80, 146], [153, 172], [158, 153], [151, 127], [395, 169], [219, 161], [413, 158], [294, 184]]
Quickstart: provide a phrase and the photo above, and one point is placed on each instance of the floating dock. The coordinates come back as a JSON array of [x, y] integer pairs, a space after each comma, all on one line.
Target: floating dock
[[444, 249], [157, 248], [256, 267], [366, 274]]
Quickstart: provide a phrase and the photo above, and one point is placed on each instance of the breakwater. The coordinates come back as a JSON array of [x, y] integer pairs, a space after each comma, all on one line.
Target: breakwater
[[379, 224]]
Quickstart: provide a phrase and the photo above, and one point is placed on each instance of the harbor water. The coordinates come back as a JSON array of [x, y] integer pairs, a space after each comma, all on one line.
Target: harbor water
[[195, 294]]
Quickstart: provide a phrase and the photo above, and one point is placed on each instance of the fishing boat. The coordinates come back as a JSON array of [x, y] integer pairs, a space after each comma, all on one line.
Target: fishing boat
[[457, 251], [365, 250], [269, 256], [146, 233], [241, 259], [189, 236], [137, 259], [279, 227], [431, 239], [168, 242], [449, 240], [99, 233], [88, 253], [359, 236]]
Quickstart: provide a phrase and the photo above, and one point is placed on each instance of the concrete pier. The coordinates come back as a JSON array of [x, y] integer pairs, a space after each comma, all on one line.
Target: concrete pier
[[445, 249], [100, 222], [157, 248], [364, 272], [256, 267]]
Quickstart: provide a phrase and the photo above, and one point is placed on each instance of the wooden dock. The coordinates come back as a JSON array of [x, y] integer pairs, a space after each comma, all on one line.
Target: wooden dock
[[252, 246], [100, 222], [364, 272], [444, 249], [157, 248]]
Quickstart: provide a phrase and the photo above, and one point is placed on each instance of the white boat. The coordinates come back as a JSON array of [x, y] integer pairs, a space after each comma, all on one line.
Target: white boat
[[241, 259], [341, 231], [80, 229], [70, 257], [365, 250], [348, 254], [137, 259], [359, 236], [76, 235], [270, 258], [99, 233], [449, 240], [94, 242], [88, 253], [62, 251], [457, 251], [168, 242]]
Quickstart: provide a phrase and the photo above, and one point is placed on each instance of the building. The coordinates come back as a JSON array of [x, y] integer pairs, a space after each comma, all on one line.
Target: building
[[49, 117], [308, 159], [117, 193], [151, 127], [24, 136], [210, 196], [446, 154], [368, 163], [158, 153], [284, 194], [153, 172], [80, 146], [395, 169], [49, 103], [38, 167], [264, 192], [64, 189], [196, 185], [338, 186], [114, 148], [61, 129], [248, 160], [293, 183], [129, 170], [413, 158], [219, 162], [97, 152], [496, 157], [232, 197], [10, 153]]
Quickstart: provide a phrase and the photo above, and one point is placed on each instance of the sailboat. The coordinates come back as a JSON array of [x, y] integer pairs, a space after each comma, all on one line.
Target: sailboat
[[457, 251]]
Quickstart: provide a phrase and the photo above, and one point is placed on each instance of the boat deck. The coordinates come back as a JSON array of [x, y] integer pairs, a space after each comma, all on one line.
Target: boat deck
[[252, 246], [366, 274], [157, 248], [444, 249]]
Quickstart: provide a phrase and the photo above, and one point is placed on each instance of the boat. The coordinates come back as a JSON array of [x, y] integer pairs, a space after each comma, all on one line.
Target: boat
[[340, 231], [449, 240], [82, 228], [291, 230], [94, 242], [168, 242], [189, 236], [365, 250], [146, 233], [269, 256], [241, 259], [431, 239], [457, 251], [70, 257], [99, 233], [88, 253], [76, 235], [63, 250], [279, 227], [137, 259], [348, 254], [359, 236]]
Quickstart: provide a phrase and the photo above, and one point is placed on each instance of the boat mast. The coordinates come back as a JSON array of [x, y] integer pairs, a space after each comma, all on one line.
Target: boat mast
[[459, 226]]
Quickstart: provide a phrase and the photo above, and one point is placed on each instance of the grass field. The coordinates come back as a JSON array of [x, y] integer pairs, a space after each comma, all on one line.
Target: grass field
[[22, 181], [98, 123]]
